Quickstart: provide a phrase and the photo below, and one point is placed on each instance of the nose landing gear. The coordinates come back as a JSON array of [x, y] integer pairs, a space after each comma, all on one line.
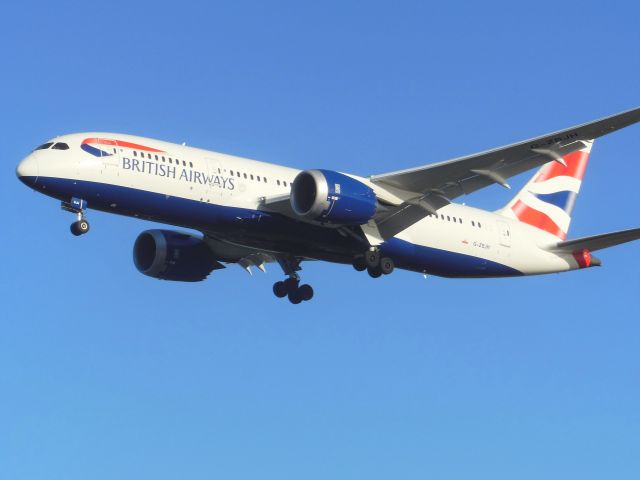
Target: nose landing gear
[[80, 227], [77, 206]]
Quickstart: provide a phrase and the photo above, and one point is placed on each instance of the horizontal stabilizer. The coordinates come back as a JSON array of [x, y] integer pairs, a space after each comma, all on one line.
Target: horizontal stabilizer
[[597, 242]]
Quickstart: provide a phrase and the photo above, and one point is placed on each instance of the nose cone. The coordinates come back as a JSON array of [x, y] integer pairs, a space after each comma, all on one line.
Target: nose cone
[[27, 170]]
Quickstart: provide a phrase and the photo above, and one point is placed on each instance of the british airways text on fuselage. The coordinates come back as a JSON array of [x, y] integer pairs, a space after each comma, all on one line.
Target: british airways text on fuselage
[[170, 171]]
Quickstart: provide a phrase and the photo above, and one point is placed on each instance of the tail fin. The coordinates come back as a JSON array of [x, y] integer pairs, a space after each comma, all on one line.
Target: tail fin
[[546, 202]]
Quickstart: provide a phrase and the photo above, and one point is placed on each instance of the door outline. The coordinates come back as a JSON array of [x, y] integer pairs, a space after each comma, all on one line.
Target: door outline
[[505, 233]]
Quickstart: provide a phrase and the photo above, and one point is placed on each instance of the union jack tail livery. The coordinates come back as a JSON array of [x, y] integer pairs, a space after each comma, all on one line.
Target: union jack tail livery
[[546, 202]]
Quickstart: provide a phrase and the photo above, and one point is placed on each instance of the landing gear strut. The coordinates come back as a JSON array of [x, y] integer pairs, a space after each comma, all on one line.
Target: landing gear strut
[[374, 263], [291, 287], [77, 206]]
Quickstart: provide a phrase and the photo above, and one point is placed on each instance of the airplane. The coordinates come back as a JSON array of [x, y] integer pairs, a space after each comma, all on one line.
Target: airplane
[[252, 213]]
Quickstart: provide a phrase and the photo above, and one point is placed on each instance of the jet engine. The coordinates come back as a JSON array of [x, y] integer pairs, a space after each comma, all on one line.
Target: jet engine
[[170, 255], [332, 197]]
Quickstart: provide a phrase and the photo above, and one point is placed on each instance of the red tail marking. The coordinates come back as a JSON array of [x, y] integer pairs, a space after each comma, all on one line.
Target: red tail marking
[[537, 219], [576, 165]]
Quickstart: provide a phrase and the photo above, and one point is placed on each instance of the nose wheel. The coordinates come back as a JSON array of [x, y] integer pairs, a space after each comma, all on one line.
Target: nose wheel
[[80, 227], [77, 206]]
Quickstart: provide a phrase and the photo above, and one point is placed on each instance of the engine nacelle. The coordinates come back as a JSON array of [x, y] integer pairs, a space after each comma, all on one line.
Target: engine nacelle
[[170, 255], [333, 197]]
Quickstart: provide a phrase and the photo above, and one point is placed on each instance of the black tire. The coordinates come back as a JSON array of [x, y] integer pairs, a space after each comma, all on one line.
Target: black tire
[[372, 258], [74, 229], [83, 226], [386, 265], [291, 284], [294, 297], [374, 272], [280, 289], [359, 263], [305, 292]]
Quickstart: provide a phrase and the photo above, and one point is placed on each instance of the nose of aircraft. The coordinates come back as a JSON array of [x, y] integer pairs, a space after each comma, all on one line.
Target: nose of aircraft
[[27, 170]]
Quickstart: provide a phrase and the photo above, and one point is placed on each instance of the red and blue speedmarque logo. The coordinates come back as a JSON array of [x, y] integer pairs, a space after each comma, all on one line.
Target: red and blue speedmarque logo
[[87, 146]]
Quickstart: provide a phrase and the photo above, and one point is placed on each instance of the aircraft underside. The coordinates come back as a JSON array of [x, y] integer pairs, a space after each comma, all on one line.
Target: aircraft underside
[[268, 232]]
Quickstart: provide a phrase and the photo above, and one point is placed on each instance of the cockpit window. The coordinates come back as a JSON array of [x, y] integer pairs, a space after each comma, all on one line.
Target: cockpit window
[[61, 146], [44, 146]]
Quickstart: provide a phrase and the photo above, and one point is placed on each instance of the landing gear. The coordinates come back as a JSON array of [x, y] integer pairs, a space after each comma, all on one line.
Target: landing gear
[[80, 227], [77, 206], [280, 289], [359, 263], [386, 265], [374, 263], [291, 287]]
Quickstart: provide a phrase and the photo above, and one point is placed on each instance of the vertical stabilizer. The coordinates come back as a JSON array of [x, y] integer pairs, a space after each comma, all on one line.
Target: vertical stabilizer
[[547, 200]]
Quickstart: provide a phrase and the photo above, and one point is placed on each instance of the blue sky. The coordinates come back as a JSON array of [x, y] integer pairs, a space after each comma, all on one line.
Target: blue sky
[[105, 373]]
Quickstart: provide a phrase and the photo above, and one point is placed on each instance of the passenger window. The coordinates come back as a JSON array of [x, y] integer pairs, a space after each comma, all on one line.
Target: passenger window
[[265, 179], [231, 172], [190, 164], [479, 226], [184, 163], [251, 176], [156, 157], [44, 146], [473, 224], [284, 182], [245, 175], [60, 146], [448, 218], [163, 159], [258, 177]]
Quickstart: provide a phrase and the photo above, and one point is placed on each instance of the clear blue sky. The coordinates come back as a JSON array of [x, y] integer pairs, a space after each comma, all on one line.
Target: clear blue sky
[[106, 374]]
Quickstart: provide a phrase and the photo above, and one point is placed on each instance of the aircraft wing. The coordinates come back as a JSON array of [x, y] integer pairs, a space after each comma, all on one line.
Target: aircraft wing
[[464, 175], [427, 188]]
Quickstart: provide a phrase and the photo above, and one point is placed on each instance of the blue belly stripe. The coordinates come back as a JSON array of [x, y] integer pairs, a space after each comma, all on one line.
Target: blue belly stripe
[[319, 242], [442, 262]]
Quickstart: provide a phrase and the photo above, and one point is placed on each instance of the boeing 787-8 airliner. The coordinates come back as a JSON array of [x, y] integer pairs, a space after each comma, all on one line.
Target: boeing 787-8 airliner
[[252, 213]]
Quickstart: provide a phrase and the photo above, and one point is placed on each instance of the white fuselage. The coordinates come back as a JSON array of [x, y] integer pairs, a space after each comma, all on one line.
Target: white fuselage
[[122, 178]]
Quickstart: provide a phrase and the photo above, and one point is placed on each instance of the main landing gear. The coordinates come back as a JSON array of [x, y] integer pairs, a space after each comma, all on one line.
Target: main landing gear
[[77, 206], [291, 287], [374, 263]]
